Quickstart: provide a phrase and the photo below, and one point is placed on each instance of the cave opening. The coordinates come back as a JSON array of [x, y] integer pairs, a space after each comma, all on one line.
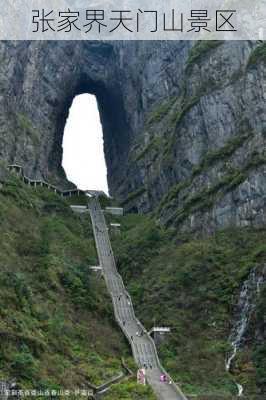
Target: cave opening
[[83, 145], [115, 130]]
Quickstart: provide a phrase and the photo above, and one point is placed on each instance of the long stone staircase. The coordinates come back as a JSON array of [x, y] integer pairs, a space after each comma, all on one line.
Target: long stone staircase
[[143, 347]]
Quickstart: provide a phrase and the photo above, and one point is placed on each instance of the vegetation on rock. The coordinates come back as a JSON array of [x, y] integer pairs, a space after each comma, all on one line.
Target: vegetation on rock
[[192, 286], [133, 195], [56, 320], [258, 55], [200, 49]]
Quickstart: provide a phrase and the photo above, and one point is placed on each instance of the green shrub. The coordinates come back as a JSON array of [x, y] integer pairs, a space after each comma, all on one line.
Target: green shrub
[[200, 49], [76, 282], [26, 126], [258, 55], [133, 195], [161, 111], [259, 357], [24, 365]]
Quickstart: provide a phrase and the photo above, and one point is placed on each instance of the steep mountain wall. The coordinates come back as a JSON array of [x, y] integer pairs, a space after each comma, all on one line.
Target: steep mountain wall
[[184, 123]]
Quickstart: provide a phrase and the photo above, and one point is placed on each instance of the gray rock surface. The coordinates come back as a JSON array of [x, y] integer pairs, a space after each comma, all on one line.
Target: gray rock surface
[[182, 127]]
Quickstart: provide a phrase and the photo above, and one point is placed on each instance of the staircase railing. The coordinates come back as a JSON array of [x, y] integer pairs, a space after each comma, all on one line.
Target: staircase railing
[[38, 182]]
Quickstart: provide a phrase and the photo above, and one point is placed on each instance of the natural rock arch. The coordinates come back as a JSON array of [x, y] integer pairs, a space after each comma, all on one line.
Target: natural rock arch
[[42, 78], [87, 69], [113, 118], [162, 109]]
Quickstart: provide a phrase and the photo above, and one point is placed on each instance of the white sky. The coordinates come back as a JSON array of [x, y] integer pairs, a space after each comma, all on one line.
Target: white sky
[[83, 156]]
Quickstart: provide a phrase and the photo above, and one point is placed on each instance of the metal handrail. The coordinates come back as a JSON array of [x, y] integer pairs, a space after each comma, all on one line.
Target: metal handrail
[[36, 182]]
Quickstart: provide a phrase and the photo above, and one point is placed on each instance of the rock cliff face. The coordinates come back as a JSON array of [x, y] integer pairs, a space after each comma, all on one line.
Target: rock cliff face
[[184, 123]]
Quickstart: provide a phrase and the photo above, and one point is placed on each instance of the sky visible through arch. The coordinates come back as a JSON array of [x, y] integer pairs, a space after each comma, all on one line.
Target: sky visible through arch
[[83, 155]]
